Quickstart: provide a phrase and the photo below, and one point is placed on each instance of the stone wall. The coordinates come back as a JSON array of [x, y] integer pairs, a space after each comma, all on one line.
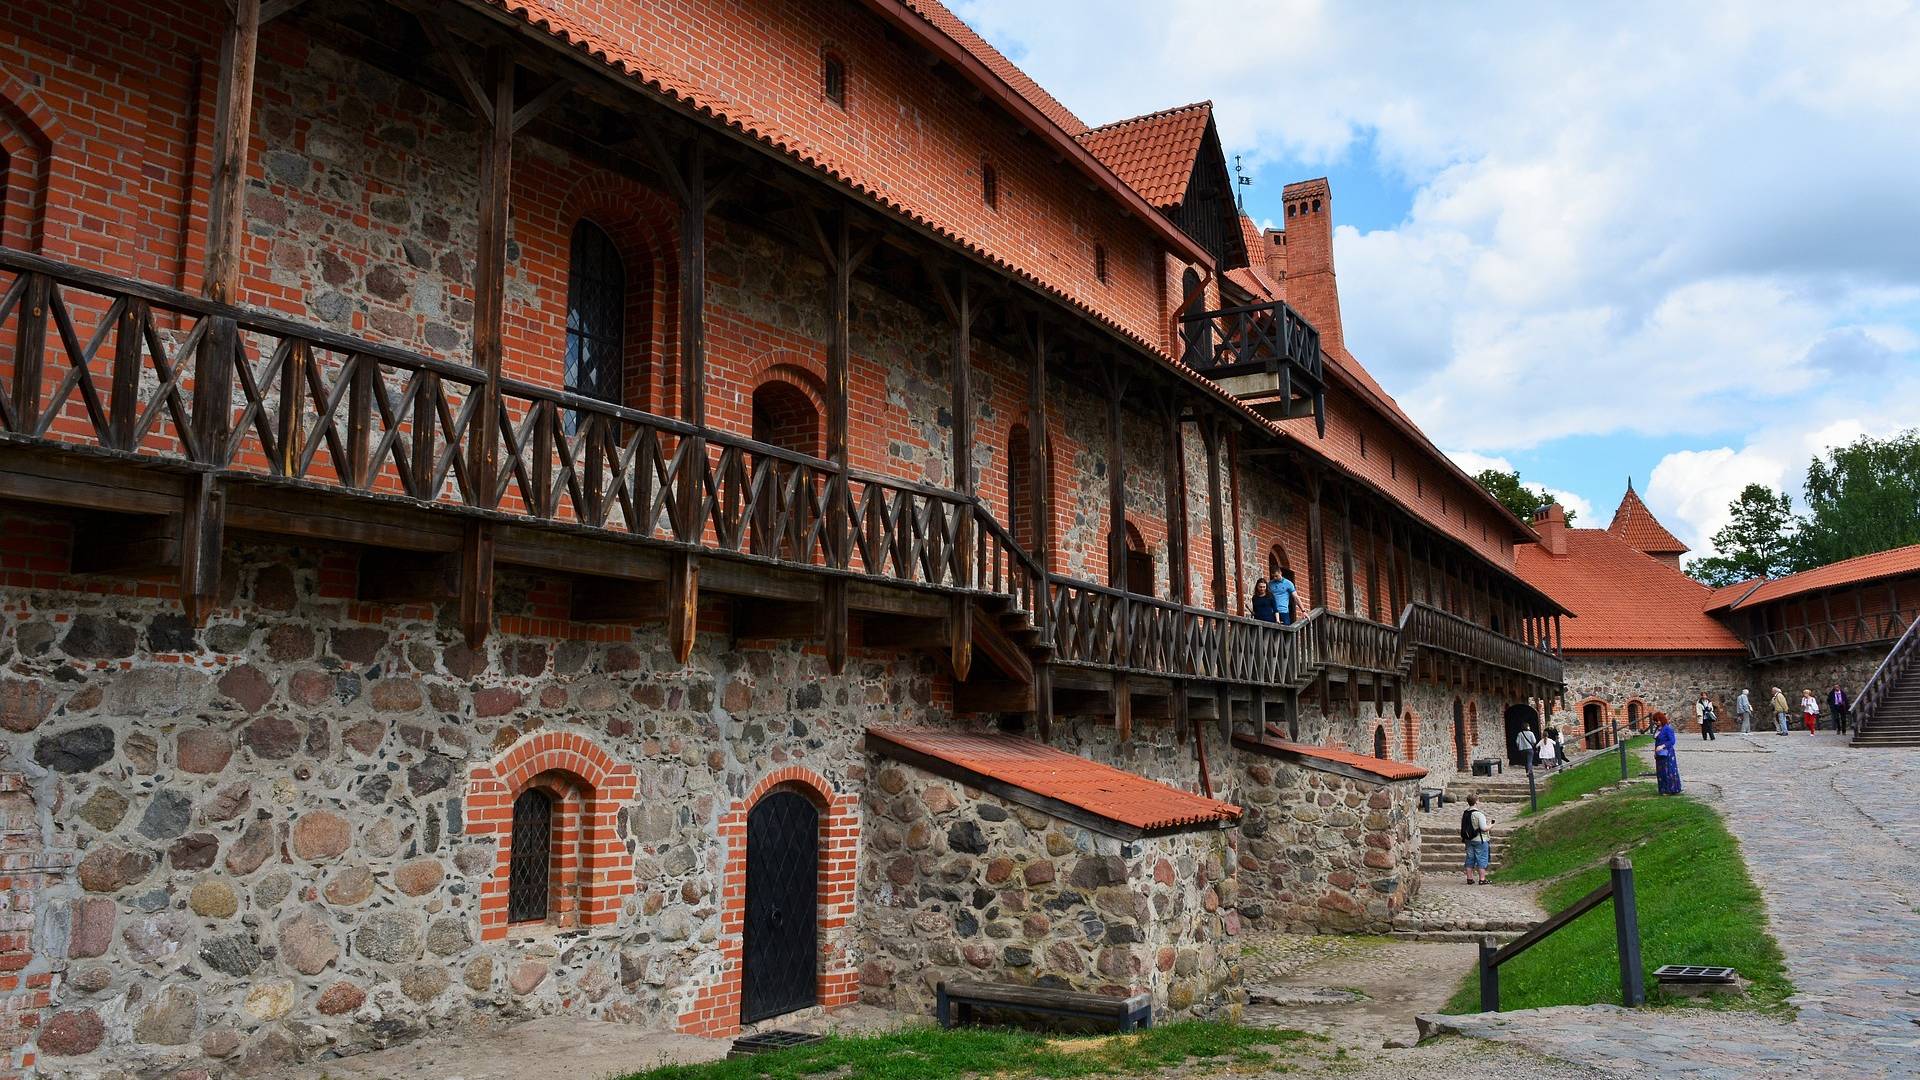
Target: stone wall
[[277, 856], [958, 883], [1324, 850], [1669, 684], [1421, 733], [1850, 669]]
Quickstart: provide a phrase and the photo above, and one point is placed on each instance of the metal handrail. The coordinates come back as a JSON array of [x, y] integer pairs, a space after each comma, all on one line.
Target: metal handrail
[[1884, 676], [1626, 931]]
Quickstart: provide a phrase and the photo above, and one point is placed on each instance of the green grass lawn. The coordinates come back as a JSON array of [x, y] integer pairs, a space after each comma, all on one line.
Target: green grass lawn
[[928, 1053], [1592, 775], [1697, 904]]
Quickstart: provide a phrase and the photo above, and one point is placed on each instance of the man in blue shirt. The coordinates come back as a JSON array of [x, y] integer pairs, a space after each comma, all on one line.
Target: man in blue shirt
[[1283, 591]]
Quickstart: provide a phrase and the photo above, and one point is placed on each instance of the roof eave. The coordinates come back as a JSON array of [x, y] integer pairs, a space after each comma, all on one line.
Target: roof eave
[[909, 22]]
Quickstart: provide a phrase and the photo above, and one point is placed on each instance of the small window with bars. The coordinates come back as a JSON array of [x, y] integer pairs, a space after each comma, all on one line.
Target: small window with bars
[[833, 79], [1100, 262], [990, 185], [530, 864]]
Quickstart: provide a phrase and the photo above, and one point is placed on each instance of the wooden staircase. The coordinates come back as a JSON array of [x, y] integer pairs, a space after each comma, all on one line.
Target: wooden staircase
[[1888, 708]]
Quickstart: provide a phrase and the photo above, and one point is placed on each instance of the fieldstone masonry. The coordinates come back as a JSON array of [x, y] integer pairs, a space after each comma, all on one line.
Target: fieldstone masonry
[[958, 883]]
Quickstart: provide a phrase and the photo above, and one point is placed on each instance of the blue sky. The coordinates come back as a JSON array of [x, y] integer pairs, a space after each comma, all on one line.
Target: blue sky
[[1674, 242]]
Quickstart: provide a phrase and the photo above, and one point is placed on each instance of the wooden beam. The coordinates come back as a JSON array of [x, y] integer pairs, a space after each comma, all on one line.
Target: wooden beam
[[906, 632], [1316, 545], [1216, 523], [1043, 701], [683, 604], [1040, 459], [1233, 475], [1346, 546], [1178, 571], [1116, 387], [960, 637], [202, 538], [476, 583], [232, 132], [1010, 656], [1123, 708], [833, 623], [490, 274]]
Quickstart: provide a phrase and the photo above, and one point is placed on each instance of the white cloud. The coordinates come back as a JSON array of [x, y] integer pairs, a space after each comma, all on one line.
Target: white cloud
[[1663, 219], [1478, 463]]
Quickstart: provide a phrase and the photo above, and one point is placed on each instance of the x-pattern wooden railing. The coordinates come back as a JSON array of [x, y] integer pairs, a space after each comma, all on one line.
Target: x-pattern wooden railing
[[1870, 628], [96, 361], [1899, 660]]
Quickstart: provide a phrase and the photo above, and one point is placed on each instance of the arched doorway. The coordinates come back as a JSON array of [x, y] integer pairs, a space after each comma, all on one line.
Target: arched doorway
[[784, 416], [780, 936], [1593, 721], [1635, 711], [1519, 718], [1139, 563], [1380, 741], [1459, 735]]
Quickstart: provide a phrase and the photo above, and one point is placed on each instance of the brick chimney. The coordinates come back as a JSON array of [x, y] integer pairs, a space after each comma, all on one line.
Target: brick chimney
[[1306, 260], [1550, 521]]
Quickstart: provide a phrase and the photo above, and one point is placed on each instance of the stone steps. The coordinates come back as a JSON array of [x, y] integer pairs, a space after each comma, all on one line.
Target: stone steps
[[1447, 936]]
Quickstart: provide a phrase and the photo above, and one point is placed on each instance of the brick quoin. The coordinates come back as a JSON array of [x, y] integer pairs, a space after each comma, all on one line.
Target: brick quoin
[[715, 1011]]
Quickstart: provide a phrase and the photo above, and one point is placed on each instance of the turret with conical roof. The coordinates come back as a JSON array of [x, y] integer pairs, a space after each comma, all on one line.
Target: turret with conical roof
[[1634, 524]]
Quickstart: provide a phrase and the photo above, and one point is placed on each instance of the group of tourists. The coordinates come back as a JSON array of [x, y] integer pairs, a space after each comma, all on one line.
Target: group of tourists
[[1839, 706], [1273, 600], [1545, 750]]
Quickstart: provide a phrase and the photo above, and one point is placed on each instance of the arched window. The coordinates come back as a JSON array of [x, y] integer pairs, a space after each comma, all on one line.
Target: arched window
[[1100, 262], [989, 185], [833, 79], [1020, 490], [596, 317], [1139, 563], [1380, 741], [785, 417], [530, 869]]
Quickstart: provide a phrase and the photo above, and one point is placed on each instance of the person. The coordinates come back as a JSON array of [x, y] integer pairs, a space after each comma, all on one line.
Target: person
[[1666, 766], [1837, 699], [1550, 752], [1264, 607], [1810, 710], [1527, 743], [1559, 745], [1703, 712], [1779, 711], [1283, 592], [1476, 830], [1743, 710]]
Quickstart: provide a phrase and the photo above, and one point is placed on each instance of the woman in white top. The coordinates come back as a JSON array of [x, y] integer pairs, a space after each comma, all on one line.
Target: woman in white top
[[1810, 710]]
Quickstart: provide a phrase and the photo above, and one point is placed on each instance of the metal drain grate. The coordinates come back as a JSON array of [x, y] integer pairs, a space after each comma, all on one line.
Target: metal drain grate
[[761, 1042], [1693, 973]]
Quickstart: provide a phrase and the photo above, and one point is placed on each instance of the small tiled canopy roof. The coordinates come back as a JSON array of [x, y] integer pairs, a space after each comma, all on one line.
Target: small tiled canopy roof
[[1034, 774], [1622, 599], [1897, 562], [1329, 758], [1154, 153], [1635, 524]]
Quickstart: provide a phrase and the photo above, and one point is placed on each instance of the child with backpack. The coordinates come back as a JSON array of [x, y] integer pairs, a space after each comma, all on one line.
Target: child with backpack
[[1476, 831]]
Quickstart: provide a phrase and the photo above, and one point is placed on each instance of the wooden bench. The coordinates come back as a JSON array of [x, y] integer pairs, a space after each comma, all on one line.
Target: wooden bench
[[955, 1002]]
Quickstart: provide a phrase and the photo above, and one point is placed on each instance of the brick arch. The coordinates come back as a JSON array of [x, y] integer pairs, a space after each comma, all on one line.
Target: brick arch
[[29, 131], [592, 871], [789, 395], [1636, 712], [642, 225], [715, 1009], [1410, 731], [1587, 738]]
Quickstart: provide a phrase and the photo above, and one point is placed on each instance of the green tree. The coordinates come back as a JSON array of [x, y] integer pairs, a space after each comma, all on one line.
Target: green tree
[[1758, 542], [1861, 498], [1516, 496]]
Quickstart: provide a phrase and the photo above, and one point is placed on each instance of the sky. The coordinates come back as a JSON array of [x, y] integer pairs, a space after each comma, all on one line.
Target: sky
[[1677, 243]]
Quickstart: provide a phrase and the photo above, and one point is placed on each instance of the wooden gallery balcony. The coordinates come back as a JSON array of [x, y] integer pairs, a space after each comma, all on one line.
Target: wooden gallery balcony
[[1267, 355], [160, 421]]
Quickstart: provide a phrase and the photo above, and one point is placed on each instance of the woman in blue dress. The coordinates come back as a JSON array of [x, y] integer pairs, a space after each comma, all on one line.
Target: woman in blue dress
[[1665, 767]]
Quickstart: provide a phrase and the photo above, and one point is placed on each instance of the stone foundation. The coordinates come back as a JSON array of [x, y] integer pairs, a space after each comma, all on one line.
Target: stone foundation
[[960, 884], [1326, 846], [1635, 687]]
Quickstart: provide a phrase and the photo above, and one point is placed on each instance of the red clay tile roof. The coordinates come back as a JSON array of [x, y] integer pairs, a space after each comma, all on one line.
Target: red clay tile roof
[[1727, 596], [1276, 745], [1623, 600], [1897, 562], [1635, 524], [956, 28], [1102, 790], [1154, 153]]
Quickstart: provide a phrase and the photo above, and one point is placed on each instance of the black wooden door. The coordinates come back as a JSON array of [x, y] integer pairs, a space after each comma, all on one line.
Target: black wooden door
[[1459, 736], [781, 945]]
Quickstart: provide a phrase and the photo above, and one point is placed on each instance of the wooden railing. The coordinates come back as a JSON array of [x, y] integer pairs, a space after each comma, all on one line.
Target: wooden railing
[[1904, 655], [1268, 339], [1425, 627], [134, 370], [1855, 630]]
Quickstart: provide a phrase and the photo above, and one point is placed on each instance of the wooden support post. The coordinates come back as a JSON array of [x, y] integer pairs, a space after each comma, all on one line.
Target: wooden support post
[[490, 279], [123, 402], [1123, 708], [476, 583], [1043, 701], [1233, 474], [960, 636], [1178, 705], [1223, 714], [836, 248], [202, 533], [30, 352], [683, 604], [1116, 381], [1216, 524], [1039, 464], [1346, 547], [834, 622], [232, 131], [1316, 544], [1178, 585]]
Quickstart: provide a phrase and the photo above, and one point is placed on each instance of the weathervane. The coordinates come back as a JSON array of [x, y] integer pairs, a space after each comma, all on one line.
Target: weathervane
[[1240, 180]]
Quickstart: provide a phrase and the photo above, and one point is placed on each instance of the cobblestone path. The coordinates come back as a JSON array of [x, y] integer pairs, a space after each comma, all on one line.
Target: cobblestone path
[[1832, 837]]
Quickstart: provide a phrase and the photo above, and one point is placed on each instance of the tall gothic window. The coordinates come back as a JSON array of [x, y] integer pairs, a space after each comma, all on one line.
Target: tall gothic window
[[530, 866], [596, 317]]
